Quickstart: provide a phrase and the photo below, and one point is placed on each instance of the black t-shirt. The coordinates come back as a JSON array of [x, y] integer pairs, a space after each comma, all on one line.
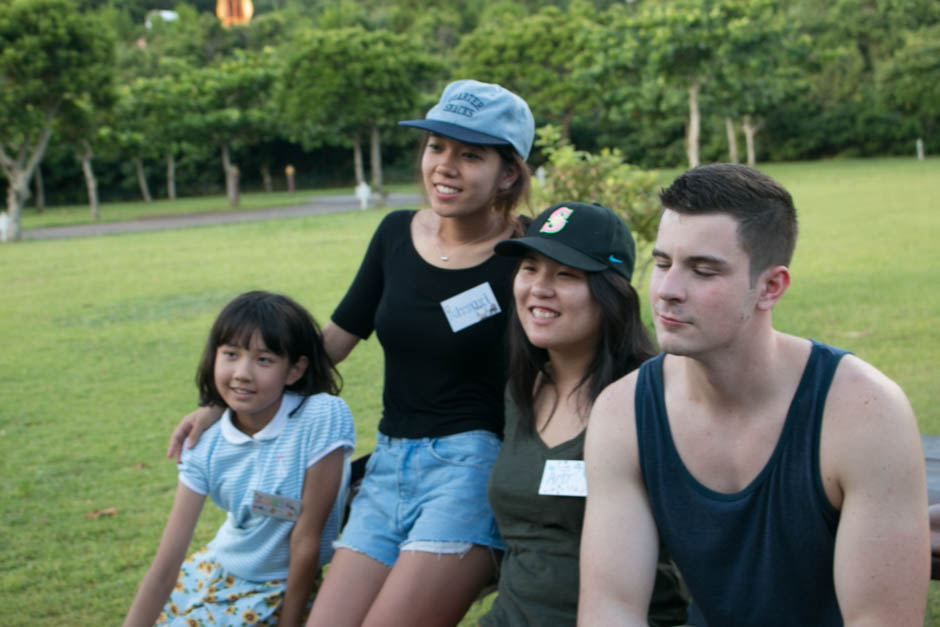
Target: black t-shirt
[[437, 381]]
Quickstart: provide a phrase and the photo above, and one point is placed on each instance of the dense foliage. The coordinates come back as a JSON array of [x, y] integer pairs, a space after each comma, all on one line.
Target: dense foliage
[[663, 83]]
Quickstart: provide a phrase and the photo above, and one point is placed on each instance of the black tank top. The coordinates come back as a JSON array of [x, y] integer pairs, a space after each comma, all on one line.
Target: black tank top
[[762, 556]]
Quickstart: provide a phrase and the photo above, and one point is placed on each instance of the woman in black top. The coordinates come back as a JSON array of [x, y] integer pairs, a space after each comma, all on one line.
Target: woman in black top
[[418, 547]]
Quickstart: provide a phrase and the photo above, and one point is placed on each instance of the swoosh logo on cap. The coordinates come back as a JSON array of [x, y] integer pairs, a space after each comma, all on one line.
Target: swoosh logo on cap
[[613, 259]]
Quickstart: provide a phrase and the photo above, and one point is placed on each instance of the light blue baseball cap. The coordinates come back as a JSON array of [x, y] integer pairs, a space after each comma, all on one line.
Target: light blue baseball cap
[[481, 113]]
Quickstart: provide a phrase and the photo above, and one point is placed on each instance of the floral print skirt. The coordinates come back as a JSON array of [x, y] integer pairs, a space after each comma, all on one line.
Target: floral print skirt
[[207, 594]]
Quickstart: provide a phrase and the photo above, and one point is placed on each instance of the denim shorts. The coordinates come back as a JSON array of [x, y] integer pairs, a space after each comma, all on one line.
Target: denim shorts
[[425, 494]]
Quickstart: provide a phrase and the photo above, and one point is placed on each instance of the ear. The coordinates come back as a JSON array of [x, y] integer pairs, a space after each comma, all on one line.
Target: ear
[[508, 176], [773, 282], [296, 370]]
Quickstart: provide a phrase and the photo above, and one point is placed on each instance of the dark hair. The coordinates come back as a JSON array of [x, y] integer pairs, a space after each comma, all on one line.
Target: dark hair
[[624, 344], [286, 328], [767, 226], [505, 200]]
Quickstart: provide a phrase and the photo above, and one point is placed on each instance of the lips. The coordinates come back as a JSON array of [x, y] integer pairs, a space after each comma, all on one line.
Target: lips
[[241, 392], [669, 320], [541, 313]]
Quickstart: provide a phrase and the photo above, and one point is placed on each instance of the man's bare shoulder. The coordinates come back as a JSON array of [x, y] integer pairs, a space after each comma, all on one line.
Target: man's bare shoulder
[[611, 433], [861, 392], [869, 430], [615, 402]]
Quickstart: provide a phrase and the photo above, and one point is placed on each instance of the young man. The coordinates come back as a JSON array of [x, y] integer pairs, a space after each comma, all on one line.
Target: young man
[[785, 477]]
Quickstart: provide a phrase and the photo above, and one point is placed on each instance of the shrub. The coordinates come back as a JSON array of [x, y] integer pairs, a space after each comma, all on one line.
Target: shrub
[[605, 178]]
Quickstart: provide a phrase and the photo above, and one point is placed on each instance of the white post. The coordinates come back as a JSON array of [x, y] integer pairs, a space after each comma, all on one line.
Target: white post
[[4, 226], [920, 149], [363, 193], [540, 174]]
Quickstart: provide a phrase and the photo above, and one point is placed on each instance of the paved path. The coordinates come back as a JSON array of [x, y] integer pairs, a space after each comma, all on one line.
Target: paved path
[[317, 205]]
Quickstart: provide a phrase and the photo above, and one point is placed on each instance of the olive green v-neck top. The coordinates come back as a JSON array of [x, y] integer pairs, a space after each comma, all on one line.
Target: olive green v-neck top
[[538, 579]]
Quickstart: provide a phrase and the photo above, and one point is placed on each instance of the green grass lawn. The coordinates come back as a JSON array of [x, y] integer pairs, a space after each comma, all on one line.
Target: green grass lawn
[[99, 339]]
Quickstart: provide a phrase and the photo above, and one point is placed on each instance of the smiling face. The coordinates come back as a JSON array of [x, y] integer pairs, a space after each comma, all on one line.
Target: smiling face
[[251, 380], [700, 292], [555, 305], [462, 179]]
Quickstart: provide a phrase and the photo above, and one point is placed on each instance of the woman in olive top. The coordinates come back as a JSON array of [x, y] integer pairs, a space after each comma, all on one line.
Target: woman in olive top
[[575, 327]]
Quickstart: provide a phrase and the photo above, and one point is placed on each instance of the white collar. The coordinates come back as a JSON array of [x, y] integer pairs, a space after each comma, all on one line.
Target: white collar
[[233, 435]]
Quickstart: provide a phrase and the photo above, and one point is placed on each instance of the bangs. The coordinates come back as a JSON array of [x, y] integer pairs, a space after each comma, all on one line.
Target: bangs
[[237, 329]]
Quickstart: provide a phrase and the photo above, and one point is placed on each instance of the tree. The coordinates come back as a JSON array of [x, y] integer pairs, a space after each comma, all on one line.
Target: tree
[[82, 121], [230, 107], [196, 37], [683, 43], [844, 112], [910, 80], [130, 133], [544, 58], [341, 85], [761, 63], [81, 126], [162, 105], [604, 178], [50, 58]]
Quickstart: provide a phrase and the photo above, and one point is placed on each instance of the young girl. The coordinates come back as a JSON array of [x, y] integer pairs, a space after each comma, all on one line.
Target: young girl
[[276, 462]]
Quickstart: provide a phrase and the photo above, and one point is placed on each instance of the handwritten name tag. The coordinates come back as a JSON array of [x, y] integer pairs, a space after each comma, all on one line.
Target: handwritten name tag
[[563, 477], [275, 506], [469, 307]]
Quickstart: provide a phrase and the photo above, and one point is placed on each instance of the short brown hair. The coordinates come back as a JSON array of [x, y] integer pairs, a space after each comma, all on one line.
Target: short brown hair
[[767, 225]]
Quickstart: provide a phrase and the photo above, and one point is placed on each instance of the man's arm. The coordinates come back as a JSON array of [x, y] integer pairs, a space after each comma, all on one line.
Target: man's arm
[[619, 541], [871, 448]]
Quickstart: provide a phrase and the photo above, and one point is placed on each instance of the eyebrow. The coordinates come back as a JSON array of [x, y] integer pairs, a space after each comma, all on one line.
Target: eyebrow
[[695, 259]]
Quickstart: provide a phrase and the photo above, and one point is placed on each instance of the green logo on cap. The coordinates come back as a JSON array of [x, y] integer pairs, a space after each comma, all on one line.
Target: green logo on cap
[[557, 220]]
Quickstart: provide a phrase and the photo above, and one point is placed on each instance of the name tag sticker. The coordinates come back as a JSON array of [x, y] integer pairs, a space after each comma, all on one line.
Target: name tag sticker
[[275, 506], [469, 307], [563, 477]]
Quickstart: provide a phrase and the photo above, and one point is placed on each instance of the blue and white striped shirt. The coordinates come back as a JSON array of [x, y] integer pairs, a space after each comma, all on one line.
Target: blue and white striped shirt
[[230, 466]]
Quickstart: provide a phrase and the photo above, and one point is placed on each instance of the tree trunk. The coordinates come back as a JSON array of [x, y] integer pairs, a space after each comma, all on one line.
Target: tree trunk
[[732, 140], [18, 174], [231, 177], [694, 127], [357, 160], [40, 190], [171, 176], [919, 148], [142, 180], [375, 162], [91, 184], [566, 124], [750, 130], [266, 178], [17, 193]]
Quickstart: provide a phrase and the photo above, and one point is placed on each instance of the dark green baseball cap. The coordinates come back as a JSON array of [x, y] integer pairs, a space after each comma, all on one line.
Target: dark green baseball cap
[[587, 237]]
